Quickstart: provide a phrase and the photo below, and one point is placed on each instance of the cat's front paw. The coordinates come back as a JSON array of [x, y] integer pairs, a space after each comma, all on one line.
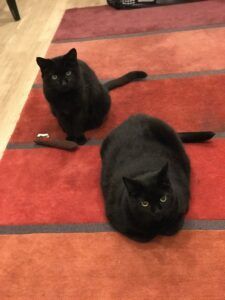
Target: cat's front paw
[[80, 140], [71, 138]]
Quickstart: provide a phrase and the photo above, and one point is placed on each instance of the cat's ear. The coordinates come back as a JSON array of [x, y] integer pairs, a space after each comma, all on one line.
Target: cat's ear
[[163, 174], [43, 63], [71, 55], [133, 186]]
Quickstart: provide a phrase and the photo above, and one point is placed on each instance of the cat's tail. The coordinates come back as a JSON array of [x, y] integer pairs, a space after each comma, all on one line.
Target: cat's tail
[[131, 76], [196, 137]]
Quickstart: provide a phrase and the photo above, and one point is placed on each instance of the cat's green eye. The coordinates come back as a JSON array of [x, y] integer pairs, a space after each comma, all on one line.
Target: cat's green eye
[[68, 73], [144, 203], [54, 77], [163, 199]]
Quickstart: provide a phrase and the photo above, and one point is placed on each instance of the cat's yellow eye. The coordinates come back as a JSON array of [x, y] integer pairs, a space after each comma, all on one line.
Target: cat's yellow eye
[[68, 73], [54, 77], [163, 199], [144, 203]]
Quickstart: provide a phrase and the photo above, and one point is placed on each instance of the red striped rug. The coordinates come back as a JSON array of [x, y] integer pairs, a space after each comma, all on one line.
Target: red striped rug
[[55, 240]]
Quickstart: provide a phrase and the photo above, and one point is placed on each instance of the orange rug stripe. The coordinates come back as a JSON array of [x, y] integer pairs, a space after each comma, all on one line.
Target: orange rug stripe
[[108, 266], [155, 54]]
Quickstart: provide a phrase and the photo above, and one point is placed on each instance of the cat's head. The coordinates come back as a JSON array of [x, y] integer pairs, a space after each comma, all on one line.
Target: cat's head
[[60, 73], [151, 195]]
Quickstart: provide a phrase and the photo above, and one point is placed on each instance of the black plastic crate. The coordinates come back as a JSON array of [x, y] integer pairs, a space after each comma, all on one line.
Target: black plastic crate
[[130, 3]]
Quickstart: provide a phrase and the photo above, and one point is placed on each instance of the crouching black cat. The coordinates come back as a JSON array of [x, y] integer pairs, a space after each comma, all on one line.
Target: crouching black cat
[[76, 97], [146, 176]]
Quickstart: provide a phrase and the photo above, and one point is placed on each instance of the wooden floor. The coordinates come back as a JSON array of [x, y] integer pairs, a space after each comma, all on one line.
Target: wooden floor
[[20, 43]]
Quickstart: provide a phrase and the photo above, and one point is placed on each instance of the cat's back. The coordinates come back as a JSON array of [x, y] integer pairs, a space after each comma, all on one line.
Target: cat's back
[[129, 132], [140, 142], [140, 131]]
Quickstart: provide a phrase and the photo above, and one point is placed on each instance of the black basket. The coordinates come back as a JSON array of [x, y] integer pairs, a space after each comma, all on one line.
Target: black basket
[[130, 3]]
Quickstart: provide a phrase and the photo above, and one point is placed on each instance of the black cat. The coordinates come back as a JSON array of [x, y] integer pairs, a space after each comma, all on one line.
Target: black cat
[[145, 177], [76, 97]]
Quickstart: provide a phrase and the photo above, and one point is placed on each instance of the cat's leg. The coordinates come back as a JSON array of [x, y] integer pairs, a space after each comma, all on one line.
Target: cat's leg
[[80, 140], [66, 124], [77, 134], [73, 127]]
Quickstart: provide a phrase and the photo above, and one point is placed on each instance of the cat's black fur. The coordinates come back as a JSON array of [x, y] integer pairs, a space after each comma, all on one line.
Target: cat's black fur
[[77, 98], [143, 160]]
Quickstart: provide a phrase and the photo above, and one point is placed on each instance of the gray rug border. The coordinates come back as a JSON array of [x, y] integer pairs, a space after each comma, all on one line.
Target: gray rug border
[[163, 76], [98, 227], [91, 142], [140, 34]]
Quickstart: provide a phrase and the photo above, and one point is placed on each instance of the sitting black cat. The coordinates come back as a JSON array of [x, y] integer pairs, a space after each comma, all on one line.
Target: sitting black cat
[[76, 97], [145, 177]]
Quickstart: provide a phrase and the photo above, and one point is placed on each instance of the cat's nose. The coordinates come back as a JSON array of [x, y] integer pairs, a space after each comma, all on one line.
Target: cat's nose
[[158, 217], [158, 214], [64, 83]]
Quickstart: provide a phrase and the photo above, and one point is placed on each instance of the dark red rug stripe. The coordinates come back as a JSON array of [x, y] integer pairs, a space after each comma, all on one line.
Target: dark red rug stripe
[[106, 21], [57, 187], [50, 187], [187, 104]]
